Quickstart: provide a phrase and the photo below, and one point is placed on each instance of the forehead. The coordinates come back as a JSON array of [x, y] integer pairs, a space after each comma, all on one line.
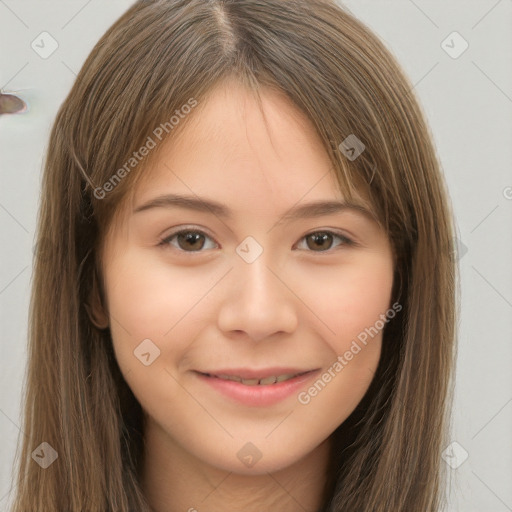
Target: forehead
[[233, 148], [249, 156]]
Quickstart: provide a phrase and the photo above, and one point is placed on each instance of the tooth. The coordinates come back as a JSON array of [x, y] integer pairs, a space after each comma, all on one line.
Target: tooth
[[229, 377], [285, 377], [269, 380], [253, 382], [250, 382]]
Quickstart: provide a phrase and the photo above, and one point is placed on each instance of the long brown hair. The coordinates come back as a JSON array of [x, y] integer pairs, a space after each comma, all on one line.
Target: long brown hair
[[157, 57]]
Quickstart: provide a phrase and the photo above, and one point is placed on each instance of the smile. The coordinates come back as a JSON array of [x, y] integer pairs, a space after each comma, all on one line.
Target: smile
[[255, 391], [266, 381]]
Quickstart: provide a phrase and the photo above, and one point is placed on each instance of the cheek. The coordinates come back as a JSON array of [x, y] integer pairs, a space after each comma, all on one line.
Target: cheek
[[356, 300], [366, 298], [350, 299], [154, 301]]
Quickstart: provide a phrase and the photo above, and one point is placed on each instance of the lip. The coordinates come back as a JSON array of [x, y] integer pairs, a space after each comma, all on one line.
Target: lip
[[252, 373], [258, 395]]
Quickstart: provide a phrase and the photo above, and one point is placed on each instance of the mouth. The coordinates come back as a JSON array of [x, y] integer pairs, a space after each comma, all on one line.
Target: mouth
[[257, 381], [257, 388]]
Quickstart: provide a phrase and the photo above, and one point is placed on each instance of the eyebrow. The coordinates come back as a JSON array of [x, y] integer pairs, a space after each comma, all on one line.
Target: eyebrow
[[308, 210]]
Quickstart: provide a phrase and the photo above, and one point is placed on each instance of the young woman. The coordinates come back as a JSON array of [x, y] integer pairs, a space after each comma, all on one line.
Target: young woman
[[244, 290]]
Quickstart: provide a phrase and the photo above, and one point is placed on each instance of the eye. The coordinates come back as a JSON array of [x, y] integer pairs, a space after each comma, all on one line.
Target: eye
[[322, 240], [193, 240], [187, 239]]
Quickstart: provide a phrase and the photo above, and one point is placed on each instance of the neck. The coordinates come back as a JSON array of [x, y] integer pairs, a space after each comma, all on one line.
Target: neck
[[174, 480]]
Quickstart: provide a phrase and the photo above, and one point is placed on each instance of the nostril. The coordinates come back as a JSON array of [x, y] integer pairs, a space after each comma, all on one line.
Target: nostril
[[11, 104]]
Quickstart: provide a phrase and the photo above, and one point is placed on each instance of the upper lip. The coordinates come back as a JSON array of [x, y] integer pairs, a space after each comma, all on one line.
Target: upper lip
[[250, 373]]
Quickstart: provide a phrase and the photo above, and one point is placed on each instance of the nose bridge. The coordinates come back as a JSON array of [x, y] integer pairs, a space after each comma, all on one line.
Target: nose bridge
[[253, 267], [257, 300], [259, 281]]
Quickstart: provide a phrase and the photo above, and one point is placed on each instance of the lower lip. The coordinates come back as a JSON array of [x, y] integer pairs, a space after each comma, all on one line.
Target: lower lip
[[258, 395]]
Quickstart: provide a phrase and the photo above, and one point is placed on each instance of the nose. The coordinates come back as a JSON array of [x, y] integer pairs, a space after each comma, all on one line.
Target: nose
[[257, 301]]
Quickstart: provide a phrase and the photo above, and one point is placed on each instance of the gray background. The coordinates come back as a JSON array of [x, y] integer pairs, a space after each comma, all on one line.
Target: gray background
[[468, 103]]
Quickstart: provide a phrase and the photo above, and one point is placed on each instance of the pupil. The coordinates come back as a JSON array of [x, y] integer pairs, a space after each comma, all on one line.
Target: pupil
[[191, 239], [319, 239]]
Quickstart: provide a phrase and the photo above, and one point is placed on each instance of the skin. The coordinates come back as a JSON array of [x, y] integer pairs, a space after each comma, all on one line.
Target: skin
[[296, 305]]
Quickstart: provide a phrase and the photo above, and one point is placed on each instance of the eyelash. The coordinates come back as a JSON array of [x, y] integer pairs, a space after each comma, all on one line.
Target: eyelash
[[165, 242]]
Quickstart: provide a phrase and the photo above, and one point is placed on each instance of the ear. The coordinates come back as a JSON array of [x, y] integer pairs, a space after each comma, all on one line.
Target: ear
[[94, 306]]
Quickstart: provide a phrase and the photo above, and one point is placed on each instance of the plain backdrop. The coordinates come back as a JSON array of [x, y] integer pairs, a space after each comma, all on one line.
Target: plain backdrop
[[467, 98]]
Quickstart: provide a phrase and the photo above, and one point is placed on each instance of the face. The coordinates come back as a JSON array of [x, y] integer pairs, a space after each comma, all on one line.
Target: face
[[240, 290]]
